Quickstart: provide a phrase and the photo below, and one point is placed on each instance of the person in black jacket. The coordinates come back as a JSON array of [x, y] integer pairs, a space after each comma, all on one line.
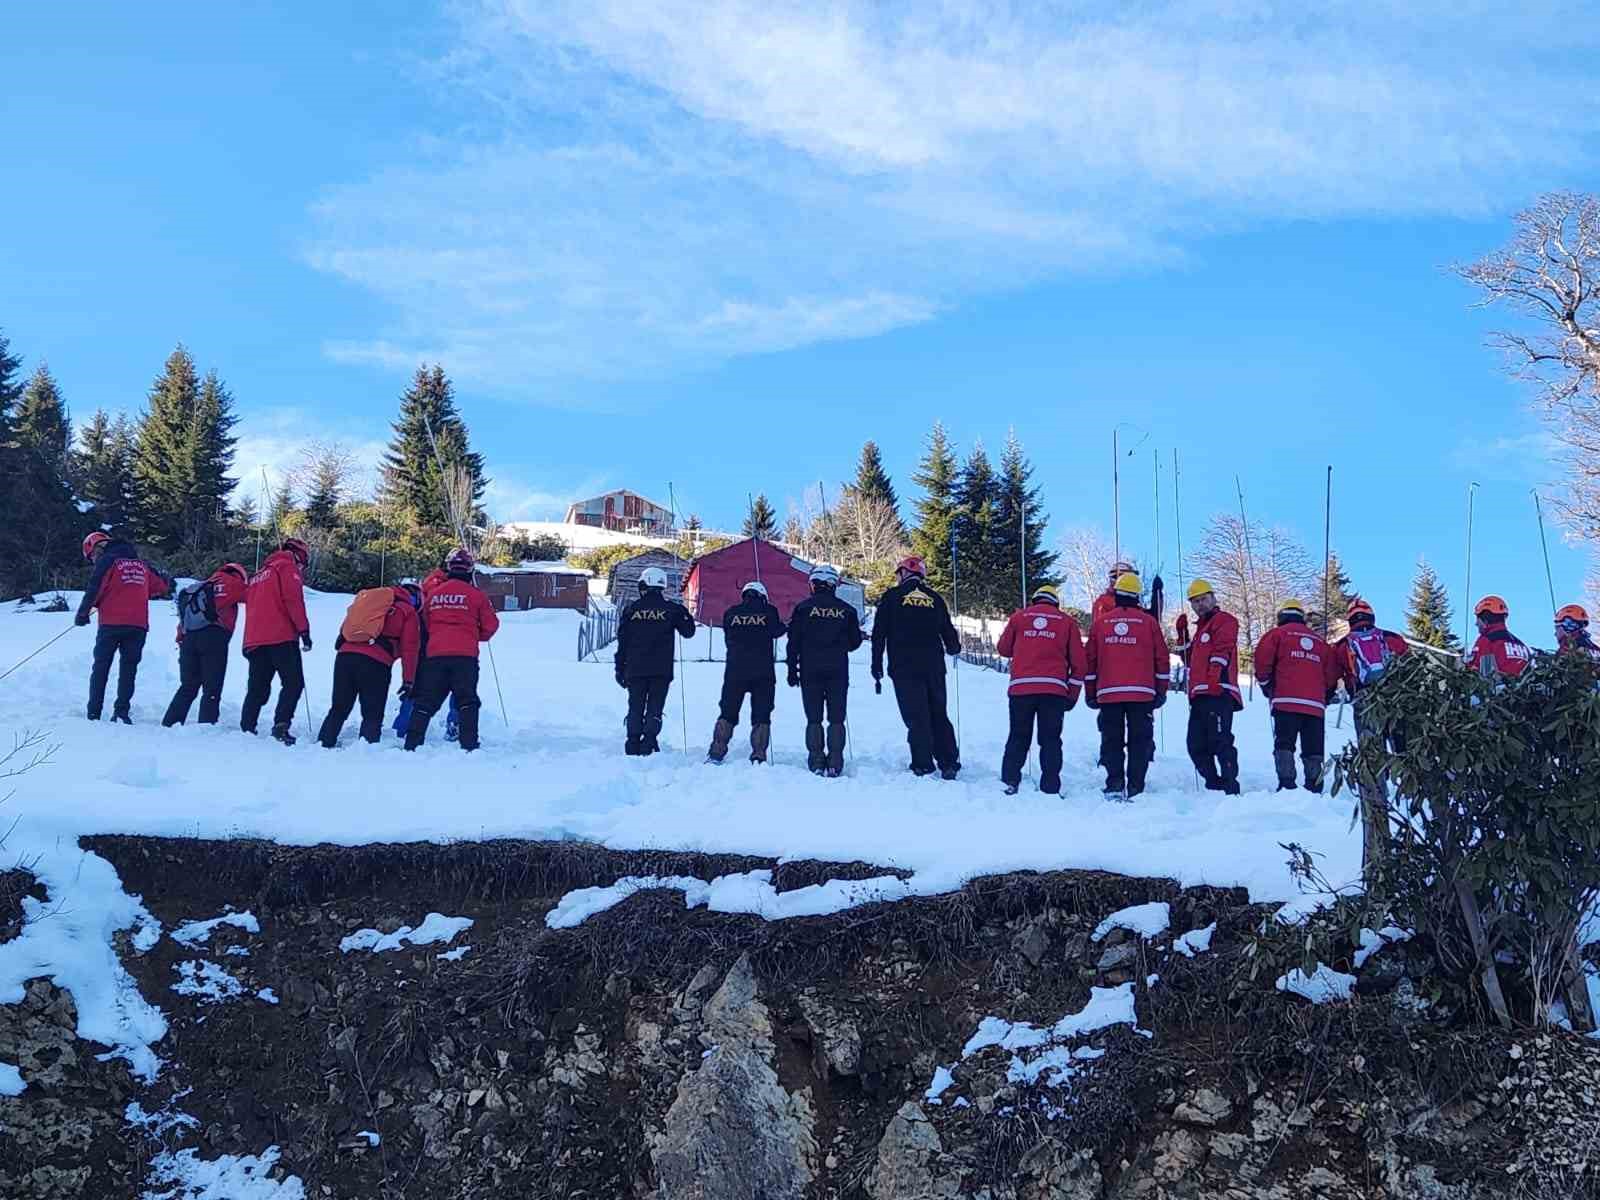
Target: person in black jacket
[[914, 624], [823, 630], [749, 628], [644, 657]]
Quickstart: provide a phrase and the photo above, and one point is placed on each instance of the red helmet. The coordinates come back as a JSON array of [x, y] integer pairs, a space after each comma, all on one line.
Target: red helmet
[[235, 569], [1360, 608], [912, 564], [460, 560], [297, 548], [1491, 606], [93, 542]]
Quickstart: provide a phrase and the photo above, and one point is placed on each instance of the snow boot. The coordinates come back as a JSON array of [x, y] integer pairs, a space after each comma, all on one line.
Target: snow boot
[[1119, 795], [1012, 789], [121, 718], [92, 713], [949, 772], [836, 736], [921, 772], [760, 741], [721, 735], [281, 733], [1313, 766], [1284, 761], [815, 758]]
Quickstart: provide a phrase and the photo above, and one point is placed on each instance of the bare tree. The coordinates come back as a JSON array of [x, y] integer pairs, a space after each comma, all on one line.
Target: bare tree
[[1252, 576], [324, 475], [1550, 272], [1083, 556], [869, 528]]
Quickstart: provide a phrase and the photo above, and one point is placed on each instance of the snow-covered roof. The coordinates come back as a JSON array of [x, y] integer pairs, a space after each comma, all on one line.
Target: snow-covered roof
[[534, 568], [584, 537]]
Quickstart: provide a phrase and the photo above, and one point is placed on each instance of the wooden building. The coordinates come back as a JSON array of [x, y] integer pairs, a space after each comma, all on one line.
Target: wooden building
[[534, 585], [624, 512], [623, 584]]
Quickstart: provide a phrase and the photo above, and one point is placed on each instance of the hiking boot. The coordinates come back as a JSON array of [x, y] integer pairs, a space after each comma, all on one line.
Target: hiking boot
[[281, 733], [121, 718], [721, 735], [760, 741], [949, 772], [1012, 789], [816, 758]]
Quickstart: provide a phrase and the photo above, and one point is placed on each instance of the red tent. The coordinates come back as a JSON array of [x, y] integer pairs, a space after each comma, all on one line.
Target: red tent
[[716, 579]]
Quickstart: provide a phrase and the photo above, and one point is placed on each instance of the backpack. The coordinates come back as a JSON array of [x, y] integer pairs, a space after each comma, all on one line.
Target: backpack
[[197, 606], [1370, 649], [363, 621]]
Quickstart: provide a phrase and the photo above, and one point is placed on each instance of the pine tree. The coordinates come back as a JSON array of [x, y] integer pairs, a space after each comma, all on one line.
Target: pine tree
[[10, 388], [211, 448], [105, 469], [936, 476], [976, 528], [1428, 616], [162, 463], [762, 521], [41, 423], [281, 509], [12, 537], [1019, 529], [412, 479], [43, 514], [873, 481], [1336, 585]]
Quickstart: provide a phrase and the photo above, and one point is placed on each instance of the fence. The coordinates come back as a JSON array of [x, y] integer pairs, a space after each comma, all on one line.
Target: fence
[[977, 644], [599, 628]]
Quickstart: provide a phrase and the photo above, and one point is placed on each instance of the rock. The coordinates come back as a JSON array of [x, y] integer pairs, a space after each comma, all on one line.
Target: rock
[[1178, 1155], [907, 1164], [1033, 943], [732, 1131], [1207, 1107], [1118, 957], [1049, 1172], [835, 1036], [430, 1120]]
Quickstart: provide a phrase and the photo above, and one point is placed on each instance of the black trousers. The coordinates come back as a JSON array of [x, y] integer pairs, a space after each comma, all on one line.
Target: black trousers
[[283, 660], [202, 667], [928, 730], [762, 693], [445, 676], [356, 677], [1210, 739], [647, 697], [825, 693], [125, 643], [1310, 731], [1048, 712], [1127, 727]]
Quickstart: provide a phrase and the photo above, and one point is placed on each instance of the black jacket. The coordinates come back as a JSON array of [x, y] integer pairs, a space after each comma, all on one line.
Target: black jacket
[[913, 622], [644, 635], [749, 628], [823, 629]]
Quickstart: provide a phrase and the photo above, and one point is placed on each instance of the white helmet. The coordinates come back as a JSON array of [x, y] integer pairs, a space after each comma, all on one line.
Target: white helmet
[[653, 577], [823, 573], [755, 585]]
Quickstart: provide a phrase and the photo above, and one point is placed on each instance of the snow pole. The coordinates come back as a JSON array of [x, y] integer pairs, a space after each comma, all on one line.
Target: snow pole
[[683, 683], [1250, 582], [261, 522], [1327, 548], [1116, 500], [39, 651], [955, 603], [1466, 616], [1544, 545], [1161, 713], [1183, 592]]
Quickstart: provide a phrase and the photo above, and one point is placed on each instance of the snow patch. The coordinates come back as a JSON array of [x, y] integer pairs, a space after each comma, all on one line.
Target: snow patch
[[11, 1083], [231, 1177], [748, 892], [146, 934], [1302, 908], [435, 928], [267, 996], [1322, 986], [159, 1124], [1196, 941], [206, 981], [455, 955], [943, 1077], [1147, 920], [373, 1139], [1372, 942], [192, 933]]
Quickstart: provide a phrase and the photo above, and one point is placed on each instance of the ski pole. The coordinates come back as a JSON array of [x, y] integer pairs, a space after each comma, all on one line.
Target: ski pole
[[495, 671], [41, 649], [683, 683]]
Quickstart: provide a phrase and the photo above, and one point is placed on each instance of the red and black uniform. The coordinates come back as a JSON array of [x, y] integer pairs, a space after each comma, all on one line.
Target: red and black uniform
[[203, 653], [1298, 671], [275, 631], [1363, 656], [459, 617], [1045, 647], [362, 670], [1498, 651], [912, 623], [120, 589], [1126, 678], [1211, 660]]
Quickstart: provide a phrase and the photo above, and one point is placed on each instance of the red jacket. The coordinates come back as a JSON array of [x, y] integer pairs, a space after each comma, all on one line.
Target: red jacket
[[1103, 604], [1045, 647], [229, 591], [1126, 659], [1213, 657], [1297, 669], [275, 603], [400, 637], [127, 585], [1508, 653], [458, 614], [1346, 656]]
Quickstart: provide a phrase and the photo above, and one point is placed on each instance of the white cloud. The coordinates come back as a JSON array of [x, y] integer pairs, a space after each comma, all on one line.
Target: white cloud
[[641, 187]]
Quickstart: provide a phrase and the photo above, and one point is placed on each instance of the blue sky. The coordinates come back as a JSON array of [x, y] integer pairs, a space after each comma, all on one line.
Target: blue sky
[[722, 243]]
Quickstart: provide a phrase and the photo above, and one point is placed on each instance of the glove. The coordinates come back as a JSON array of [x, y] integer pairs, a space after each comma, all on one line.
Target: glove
[[81, 619], [877, 684], [1266, 687], [1072, 702], [1091, 699], [877, 674], [1161, 698], [622, 680], [405, 691], [305, 641], [1328, 699], [794, 674]]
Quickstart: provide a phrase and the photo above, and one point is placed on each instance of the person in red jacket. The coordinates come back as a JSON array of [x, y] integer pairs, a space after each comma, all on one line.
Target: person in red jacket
[[1364, 656], [274, 620], [1298, 672], [204, 631], [1126, 679], [1045, 647], [362, 668], [1211, 668], [120, 589], [459, 616], [1572, 633], [1497, 651], [1107, 600]]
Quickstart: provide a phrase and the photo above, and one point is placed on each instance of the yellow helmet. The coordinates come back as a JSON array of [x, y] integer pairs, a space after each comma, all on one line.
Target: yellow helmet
[[1047, 591], [1293, 606], [1200, 588], [1128, 584]]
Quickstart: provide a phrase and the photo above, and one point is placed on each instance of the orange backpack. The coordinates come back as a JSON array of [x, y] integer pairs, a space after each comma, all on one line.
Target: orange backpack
[[363, 621]]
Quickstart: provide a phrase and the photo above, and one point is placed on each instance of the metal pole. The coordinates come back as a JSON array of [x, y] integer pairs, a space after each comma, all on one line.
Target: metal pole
[[1116, 501], [1022, 552], [1177, 516], [1466, 616], [1327, 549], [683, 684], [261, 522], [383, 546], [40, 650], [1250, 582], [1155, 458], [955, 603], [1545, 546]]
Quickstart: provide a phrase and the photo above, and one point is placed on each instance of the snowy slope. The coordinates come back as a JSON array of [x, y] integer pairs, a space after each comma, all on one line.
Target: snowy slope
[[558, 771]]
